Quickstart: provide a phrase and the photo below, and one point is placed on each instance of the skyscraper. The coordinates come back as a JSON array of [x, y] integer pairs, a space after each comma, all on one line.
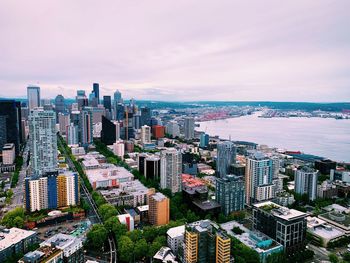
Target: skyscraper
[[85, 127], [171, 169], [81, 99], [43, 141], [107, 102], [10, 123], [63, 121], [226, 155], [189, 128], [110, 131], [204, 140], [306, 182], [230, 193], [145, 134], [145, 118], [117, 97], [72, 136], [258, 178], [33, 96], [59, 104], [96, 91], [173, 129]]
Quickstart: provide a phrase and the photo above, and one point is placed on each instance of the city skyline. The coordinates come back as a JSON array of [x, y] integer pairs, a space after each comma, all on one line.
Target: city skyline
[[178, 52]]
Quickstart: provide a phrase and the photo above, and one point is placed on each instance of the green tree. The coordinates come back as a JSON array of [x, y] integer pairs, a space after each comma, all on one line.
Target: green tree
[[9, 218], [125, 249], [113, 225], [153, 248], [135, 235], [141, 249], [346, 256], [106, 211], [97, 237], [333, 258], [18, 222]]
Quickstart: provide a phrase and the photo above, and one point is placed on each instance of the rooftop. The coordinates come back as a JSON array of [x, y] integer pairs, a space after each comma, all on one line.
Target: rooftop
[[8, 146], [206, 205], [143, 208], [176, 231], [9, 237], [280, 211], [110, 172], [158, 197], [61, 241]]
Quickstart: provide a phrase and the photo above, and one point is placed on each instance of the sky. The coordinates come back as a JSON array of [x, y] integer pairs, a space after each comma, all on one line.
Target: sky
[[179, 50]]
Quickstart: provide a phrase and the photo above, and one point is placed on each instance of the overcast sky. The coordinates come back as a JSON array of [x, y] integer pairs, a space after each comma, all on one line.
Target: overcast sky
[[178, 50]]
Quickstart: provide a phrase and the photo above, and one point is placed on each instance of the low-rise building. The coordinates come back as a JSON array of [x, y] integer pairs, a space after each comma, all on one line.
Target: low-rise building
[[108, 176], [164, 255], [128, 220], [256, 240], [338, 219], [131, 193], [15, 241], [322, 232]]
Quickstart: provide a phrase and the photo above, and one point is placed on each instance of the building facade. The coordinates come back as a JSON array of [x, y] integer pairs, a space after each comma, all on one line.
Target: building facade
[[171, 169], [306, 182], [33, 96], [226, 156], [159, 209]]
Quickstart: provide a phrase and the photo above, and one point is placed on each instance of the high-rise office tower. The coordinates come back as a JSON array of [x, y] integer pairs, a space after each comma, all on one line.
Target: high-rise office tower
[[152, 167], [59, 104], [204, 140], [159, 209], [96, 91], [81, 99], [189, 128], [171, 169], [63, 121], [110, 131], [72, 136], [117, 97], [286, 226], [107, 102], [226, 156], [145, 116], [173, 129], [305, 179], [205, 242], [230, 193], [33, 96], [145, 134], [10, 123], [93, 102], [43, 141], [258, 178], [85, 127]]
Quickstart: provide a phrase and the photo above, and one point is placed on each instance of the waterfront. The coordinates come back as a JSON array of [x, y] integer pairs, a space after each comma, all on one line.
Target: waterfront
[[324, 137]]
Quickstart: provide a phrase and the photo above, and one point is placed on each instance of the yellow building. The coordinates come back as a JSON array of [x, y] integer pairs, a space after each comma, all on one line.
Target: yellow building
[[158, 209], [67, 189], [205, 242]]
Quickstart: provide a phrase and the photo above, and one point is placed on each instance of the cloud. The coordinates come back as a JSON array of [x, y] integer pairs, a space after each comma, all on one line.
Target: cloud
[[183, 50]]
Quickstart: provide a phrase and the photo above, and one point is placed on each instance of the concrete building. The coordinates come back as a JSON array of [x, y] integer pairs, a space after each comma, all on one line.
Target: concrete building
[[164, 255], [152, 167], [230, 193], [258, 178], [205, 242], [189, 128], [226, 156], [158, 131], [33, 96], [68, 189], [108, 176], [340, 175], [171, 170], [306, 182], [132, 193], [119, 149], [43, 141], [173, 129], [159, 209], [72, 134], [64, 121], [127, 220], [8, 154], [322, 232], [255, 240], [145, 134], [85, 127], [15, 241], [59, 104], [175, 238], [286, 226]]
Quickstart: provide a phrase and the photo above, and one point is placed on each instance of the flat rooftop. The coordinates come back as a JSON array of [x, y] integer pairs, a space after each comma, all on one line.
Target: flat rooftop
[[176, 231], [60, 241], [206, 205], [132, 187], [280, 211], [110, 172], [9, 237]]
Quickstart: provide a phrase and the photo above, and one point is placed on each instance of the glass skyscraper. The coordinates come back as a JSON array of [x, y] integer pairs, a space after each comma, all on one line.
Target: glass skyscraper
[[226, 155]]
